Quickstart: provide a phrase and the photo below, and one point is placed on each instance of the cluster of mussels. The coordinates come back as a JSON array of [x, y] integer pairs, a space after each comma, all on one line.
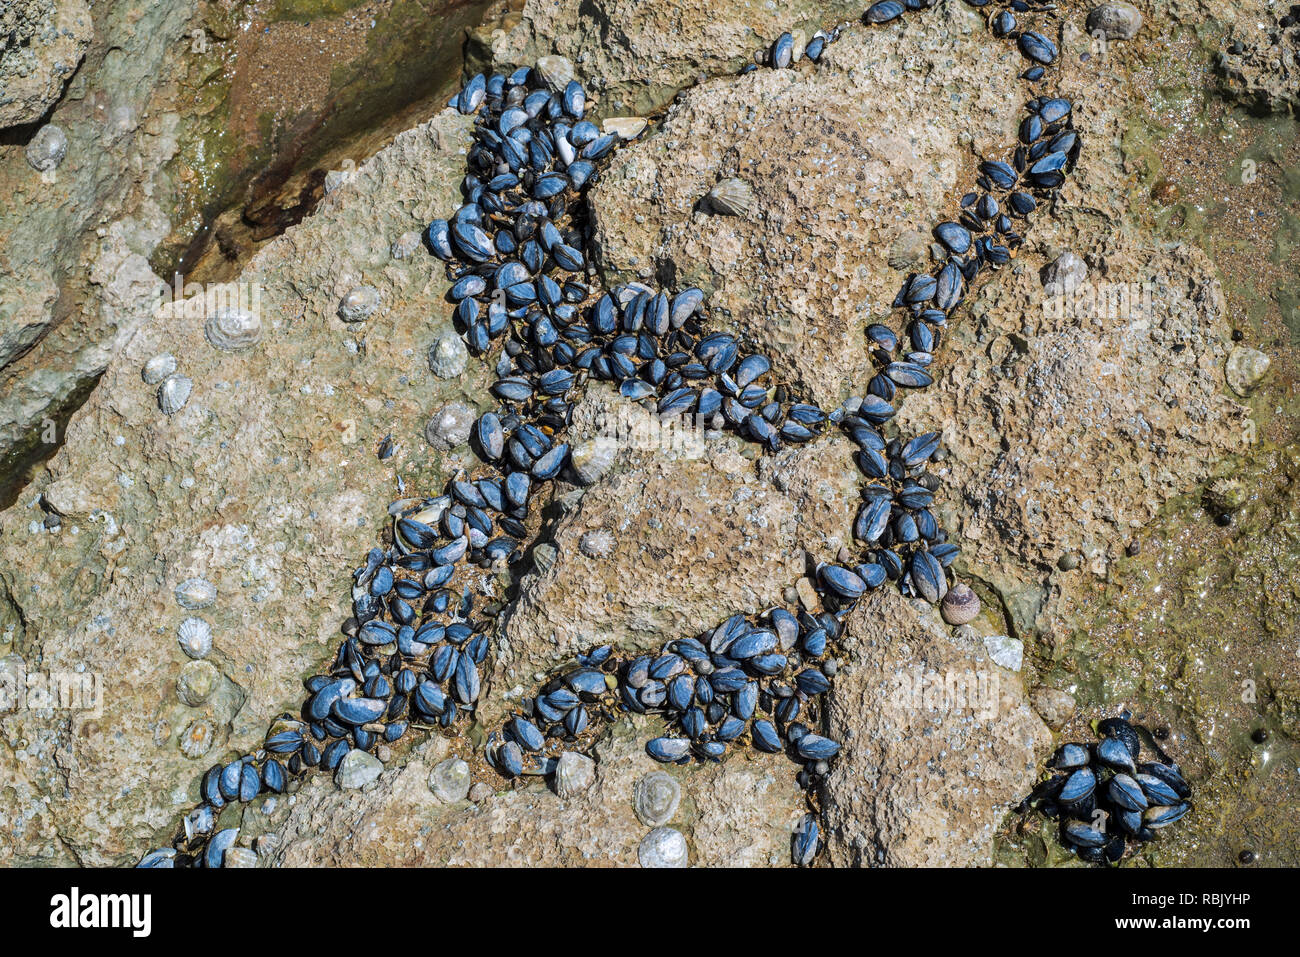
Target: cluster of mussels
[[1107, 799], [524, 292]]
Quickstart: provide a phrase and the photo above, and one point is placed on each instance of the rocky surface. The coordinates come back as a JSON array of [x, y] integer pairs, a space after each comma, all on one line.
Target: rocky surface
[[938, 742], [1058, 430], [636, 56], [41, 44], [1261, 56]]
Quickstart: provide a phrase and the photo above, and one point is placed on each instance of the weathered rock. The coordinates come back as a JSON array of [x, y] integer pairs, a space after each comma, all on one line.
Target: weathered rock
[[809, 142], [41, 44], [936, 741], [740, 814], [636, 56]]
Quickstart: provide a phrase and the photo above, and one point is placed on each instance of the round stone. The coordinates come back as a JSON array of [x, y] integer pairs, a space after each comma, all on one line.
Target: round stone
[[450, 781], [357, 769], [663, 847], [448, 355], [450, 426], [359, 304], [655, 798], [45, 150], [196, 682], [1115, 21], [574, 773]]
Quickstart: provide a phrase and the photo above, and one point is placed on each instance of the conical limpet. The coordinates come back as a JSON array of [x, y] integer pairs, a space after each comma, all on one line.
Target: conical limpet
[[197, 739], [233, 329], [731, 197], [405, 245], [158, 368], [196, 593], [174, 393], [196, 682], [448, 355], [597, 543], [359, 304], [555, 71], [195, 637]]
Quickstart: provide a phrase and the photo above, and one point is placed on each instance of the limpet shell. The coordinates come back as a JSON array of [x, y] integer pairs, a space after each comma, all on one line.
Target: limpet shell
[[45, 150], [555, 71], [197, 739], [450, 426], [196, 682], [158, 368], [731, 197], [448, 355], [233, 329], [174, 393], [196, 593], [195, 637], [405, 245], [359, 304]]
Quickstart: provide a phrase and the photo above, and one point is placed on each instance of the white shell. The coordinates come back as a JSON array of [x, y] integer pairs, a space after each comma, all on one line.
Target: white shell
[[450, 426], [448, 355], [196, 593], [195, 637], [626, 127], [359, 304], [405, 245], [732, 197], [174, 393], [555, 71], [197, 739], [233, 329], [597, 543], [158, 368]]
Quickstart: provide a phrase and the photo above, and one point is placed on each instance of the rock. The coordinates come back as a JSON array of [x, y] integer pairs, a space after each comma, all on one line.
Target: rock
[[938, 742], [1005, 650], [1054, 706], [45, 150], [1065, 275], [574, 773], [656, 798], [773, 128], [450, 781], [41, 44], [357, 769], [663, 847], [1115, 21], [1245, 369], [450, 426]]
